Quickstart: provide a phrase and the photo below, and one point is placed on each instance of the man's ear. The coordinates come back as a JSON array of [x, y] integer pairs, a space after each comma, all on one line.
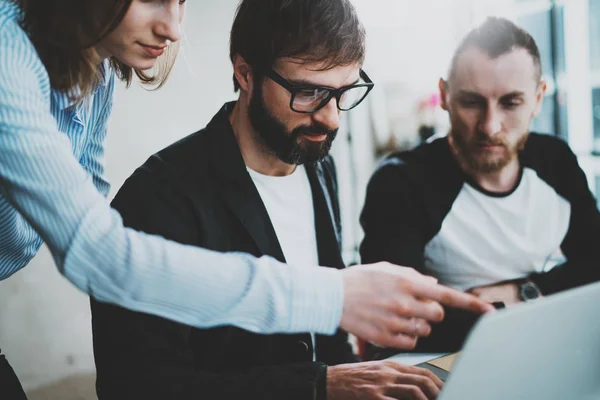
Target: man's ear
[[539, 97], [443, 86], [243, 73]]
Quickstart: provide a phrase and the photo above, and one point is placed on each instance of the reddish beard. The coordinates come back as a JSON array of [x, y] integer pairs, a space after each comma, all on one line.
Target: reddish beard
[[473, 154]]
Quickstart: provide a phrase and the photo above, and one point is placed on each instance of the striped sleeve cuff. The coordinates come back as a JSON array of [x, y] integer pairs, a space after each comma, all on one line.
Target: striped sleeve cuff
[[317, 299]]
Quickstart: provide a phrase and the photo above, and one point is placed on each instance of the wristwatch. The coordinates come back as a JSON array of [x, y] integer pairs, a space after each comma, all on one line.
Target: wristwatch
[[528, 290]]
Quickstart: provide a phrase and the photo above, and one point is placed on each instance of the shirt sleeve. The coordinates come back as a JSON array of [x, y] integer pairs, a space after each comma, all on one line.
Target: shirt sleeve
[[580, 245], [40, 177], [392, 219]]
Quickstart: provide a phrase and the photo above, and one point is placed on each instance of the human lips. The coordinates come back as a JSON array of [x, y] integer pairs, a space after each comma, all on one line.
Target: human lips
[[153, 51], [315, 138], [490, 145]]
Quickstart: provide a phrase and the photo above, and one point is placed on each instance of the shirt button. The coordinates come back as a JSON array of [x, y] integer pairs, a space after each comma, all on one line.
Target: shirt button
[[303, 345]]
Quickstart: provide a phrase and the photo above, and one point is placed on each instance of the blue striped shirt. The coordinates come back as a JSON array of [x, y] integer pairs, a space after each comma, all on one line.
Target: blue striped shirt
[[52, 189]]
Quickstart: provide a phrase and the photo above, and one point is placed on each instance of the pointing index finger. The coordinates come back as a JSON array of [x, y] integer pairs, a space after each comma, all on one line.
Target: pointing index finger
[[451, 297]]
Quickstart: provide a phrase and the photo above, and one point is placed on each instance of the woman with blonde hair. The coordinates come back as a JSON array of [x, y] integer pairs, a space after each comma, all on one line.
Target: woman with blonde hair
[[58, 63]]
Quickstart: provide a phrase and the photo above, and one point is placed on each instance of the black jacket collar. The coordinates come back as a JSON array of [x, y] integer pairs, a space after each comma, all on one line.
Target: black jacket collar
[[241, 196]]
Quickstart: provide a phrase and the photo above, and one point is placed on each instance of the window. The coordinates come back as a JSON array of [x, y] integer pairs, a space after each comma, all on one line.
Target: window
[[594, 21], [544, 20]]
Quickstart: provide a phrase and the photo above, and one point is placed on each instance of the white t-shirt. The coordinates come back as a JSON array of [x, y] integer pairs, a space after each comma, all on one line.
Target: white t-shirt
[[485, 239], [289, 203]]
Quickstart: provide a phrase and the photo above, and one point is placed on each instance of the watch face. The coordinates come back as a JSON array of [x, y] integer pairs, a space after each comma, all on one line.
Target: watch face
[[529, 291]]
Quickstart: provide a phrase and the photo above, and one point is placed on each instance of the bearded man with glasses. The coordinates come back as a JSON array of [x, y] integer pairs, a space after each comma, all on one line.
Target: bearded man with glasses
[[258, 179]]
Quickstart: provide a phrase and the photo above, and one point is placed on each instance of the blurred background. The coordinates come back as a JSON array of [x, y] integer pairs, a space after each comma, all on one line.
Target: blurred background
[[45, 322]]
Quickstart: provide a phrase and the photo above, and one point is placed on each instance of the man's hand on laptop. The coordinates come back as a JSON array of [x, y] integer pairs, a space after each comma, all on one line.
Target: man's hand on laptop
[[381, 380], [390, 306]]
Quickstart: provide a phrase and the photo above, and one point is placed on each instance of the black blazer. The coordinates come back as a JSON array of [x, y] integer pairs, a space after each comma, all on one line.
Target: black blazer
[[198, 192]]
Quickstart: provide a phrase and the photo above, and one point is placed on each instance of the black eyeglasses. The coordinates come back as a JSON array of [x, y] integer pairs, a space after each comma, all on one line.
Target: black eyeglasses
[[308, 99]]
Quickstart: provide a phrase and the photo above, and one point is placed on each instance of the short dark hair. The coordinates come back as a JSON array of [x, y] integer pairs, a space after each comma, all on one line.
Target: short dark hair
[[327, 31], [498, 36]]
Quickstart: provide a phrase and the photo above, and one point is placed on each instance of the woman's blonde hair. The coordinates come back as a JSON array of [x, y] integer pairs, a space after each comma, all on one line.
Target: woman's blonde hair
[[64, 33]]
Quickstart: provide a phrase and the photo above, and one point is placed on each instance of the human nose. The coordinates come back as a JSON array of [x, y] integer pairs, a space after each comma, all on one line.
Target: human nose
[[169, 23], [491, 122], [329, 115]]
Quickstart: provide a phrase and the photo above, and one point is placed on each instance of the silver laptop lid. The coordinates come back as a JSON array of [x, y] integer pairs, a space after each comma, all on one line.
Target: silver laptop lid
[[548, 349]]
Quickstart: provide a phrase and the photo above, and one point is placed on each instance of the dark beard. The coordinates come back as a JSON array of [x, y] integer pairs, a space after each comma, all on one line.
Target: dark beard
[[289, 147], [469, 152]]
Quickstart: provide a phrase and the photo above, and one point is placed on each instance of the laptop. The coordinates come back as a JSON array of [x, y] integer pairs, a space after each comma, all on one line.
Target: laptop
[[548, 349]]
